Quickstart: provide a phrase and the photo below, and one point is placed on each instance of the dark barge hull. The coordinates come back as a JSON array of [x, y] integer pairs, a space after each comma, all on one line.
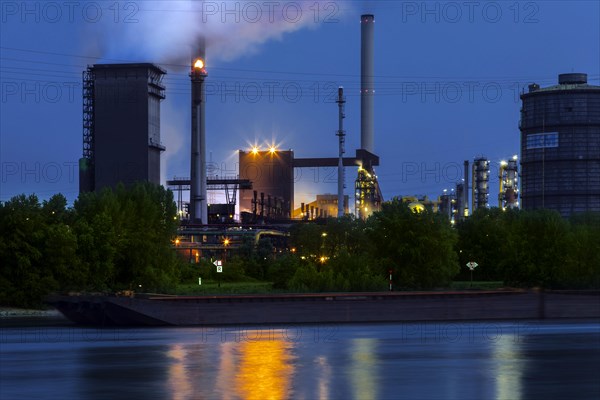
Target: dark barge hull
[[325, 308]]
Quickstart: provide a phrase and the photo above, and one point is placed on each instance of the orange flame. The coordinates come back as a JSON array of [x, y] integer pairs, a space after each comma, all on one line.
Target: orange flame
[[199, 64]]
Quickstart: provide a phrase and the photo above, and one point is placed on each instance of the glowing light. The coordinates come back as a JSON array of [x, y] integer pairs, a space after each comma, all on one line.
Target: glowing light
[[177, 242], [199, 64], [515, 157], [265, 367], [255, 150], [272, 149], [226, 242], [503, 163], [322, 259]]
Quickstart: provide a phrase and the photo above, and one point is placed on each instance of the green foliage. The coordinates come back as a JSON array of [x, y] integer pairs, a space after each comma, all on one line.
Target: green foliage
[[107, 241], [418, 246], [532, 248]]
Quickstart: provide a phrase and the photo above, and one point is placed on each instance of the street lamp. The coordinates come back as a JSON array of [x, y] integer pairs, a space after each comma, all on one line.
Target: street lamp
[[225, 244], [323, 258]]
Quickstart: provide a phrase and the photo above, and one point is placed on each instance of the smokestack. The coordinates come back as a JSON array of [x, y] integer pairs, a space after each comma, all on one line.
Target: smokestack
[[367, 83], [466, 190], [341, 134], [198, 198]]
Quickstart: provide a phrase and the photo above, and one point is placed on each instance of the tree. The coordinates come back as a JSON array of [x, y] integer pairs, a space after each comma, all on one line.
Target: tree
[[418, 246]]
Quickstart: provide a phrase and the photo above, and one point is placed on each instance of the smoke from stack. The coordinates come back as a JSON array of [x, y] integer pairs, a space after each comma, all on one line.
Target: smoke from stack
[[164, 31]]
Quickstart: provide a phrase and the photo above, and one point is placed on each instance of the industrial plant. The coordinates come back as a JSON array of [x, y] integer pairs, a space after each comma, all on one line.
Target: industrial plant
[[121, 125], [559, 164], [560, 146]]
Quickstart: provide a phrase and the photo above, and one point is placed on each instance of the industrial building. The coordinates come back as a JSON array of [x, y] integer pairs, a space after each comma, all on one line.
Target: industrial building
[[508, 177], [560, 146], [481, 183], [121, 125], [325, 206], [272, 175]]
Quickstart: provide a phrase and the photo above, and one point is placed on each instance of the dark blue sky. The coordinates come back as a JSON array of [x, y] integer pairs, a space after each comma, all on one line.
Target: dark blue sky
[[447, 84]]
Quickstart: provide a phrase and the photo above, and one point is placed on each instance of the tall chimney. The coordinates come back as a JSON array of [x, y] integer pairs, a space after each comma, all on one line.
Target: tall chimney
[[367, 83], [198, 198], [341, 134]]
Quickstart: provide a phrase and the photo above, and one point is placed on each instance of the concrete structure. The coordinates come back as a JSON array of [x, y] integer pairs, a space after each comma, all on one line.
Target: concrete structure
[[367, 83], [121, 125], [198, 196], [367, 193], [560, 146]]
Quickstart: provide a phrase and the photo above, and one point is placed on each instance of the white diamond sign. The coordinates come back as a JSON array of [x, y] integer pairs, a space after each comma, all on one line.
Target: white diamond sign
[[472, 265]]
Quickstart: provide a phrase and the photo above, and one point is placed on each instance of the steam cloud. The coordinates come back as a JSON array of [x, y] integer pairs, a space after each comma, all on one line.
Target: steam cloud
[[166, 31]]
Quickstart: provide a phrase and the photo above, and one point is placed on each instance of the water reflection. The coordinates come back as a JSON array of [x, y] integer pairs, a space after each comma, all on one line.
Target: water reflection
[[533, 360], [509, 364], [265, 369], [323, 377], [364, 368], [178, 381]]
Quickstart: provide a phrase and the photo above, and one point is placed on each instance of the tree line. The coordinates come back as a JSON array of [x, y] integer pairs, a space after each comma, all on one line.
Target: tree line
[[108, 241], [122, 239]]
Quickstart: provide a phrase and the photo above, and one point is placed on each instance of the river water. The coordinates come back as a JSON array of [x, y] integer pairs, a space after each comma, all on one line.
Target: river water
[[483, 360]]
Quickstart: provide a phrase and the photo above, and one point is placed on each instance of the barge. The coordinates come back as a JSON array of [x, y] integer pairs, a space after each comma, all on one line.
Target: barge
[[164, 310]]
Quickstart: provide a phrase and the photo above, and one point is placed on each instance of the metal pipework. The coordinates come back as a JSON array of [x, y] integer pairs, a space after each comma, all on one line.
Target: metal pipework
[[367, 83], [341, 135], [198, 197]]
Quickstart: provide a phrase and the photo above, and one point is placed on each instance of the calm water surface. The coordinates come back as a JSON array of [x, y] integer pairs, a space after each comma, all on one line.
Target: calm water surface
[[487, 360]]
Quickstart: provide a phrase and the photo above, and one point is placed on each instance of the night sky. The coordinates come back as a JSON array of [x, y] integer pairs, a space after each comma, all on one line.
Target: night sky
[[448, 75]]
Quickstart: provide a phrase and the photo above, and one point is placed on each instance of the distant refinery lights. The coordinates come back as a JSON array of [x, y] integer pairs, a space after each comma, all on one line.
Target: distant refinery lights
[[508, 177]]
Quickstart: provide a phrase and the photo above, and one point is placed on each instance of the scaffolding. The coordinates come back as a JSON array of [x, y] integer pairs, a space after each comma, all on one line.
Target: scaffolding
[[367, 193], [88, 115], [508, 194], [481, 180]]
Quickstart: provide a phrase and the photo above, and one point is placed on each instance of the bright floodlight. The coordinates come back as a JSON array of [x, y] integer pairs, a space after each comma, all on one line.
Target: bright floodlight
[[255, 150], [272, 150], [199, 64]]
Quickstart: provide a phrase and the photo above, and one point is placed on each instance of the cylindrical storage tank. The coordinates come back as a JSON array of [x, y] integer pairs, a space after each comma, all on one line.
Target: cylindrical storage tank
[[560, 146]]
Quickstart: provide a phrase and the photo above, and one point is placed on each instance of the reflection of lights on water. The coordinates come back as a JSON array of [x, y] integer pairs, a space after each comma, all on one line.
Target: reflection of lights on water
[[509, 368], [227, 370], [364, 368], [179, 382], [324, 374], [265, 367]]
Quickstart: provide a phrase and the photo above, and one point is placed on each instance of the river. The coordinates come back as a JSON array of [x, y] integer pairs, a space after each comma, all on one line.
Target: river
[[434, 360]]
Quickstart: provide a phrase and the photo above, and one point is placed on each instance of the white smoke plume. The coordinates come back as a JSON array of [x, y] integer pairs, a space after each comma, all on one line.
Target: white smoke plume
[[166, 31]]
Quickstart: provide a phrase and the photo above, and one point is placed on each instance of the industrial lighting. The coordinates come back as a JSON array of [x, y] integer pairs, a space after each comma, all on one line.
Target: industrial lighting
[[199, 64], [272, 150], [255, 150]]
